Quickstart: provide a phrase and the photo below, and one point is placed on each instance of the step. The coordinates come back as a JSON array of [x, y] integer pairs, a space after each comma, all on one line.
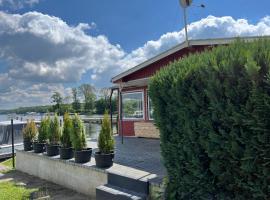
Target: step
[[109, 192], [129, 183]]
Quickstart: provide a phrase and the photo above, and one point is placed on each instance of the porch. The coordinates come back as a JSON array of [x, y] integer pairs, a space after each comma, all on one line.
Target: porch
[[137, 170], [138, 153]]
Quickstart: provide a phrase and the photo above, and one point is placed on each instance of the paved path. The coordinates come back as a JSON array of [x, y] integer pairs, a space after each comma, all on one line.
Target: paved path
[[139, 153], [3, 168]]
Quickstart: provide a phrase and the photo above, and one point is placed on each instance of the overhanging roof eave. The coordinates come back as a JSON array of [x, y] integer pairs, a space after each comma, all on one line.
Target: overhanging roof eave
[[178, 48]]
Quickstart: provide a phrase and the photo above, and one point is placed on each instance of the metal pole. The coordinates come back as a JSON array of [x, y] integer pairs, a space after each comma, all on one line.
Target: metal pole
[[111, 112], [185, 22], [12, 137], [121, 117]]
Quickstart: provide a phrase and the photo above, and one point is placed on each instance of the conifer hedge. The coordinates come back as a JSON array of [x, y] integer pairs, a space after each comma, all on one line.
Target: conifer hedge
[[213, 113]]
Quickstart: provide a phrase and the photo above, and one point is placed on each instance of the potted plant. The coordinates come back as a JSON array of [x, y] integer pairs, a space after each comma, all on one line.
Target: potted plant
[[39, 145], [104, 157], [29, 133], [81, 153], [66, 151], [52, 146]]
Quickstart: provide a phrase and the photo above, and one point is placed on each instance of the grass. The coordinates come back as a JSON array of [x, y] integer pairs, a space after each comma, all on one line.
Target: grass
[[8, 163], [10, 191]]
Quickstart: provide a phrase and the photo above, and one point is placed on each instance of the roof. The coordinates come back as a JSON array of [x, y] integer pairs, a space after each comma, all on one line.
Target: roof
[[179, 47]]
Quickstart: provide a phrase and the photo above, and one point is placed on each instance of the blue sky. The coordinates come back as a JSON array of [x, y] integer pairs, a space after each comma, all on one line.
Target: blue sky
[[54, 45], [132, 23]]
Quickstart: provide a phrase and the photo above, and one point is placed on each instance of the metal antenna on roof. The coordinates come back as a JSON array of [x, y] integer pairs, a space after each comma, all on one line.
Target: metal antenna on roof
[[184, 4]]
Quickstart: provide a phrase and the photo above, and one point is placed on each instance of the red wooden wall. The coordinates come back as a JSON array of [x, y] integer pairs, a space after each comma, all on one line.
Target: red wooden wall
[[148, 71]]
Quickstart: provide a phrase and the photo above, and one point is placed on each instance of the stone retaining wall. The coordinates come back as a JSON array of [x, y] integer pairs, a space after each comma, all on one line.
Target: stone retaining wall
[[78, 177], [83, 178], [146, 129]]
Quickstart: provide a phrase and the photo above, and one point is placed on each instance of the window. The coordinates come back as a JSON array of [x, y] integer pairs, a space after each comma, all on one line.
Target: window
[[133, 105], [150, 108]]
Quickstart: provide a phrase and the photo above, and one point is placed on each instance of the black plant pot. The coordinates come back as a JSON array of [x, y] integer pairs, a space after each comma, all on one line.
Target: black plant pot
[[27, 145], [66, 153], [112, 154], [104, 160], [83, 156], [52, 150], [38, 147]]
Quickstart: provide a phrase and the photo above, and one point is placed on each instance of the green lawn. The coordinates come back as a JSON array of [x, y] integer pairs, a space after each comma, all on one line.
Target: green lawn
[[8, 162], [10, 191]]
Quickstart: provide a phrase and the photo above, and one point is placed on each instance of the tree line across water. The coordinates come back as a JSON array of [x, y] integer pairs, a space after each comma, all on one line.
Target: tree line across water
[[85, 99]]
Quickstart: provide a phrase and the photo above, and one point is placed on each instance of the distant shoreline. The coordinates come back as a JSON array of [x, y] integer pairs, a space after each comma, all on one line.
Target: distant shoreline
[[25, 110]]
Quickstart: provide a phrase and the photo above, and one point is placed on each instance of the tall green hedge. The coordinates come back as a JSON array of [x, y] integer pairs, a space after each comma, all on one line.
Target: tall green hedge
[[213, 112]]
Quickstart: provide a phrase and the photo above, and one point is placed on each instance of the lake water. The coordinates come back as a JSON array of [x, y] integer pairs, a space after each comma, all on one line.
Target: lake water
[[92, 130]]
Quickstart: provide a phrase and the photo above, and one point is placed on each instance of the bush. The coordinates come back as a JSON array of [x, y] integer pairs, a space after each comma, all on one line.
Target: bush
[[44, 130], [67, 131], [78, 135], [55, 131], [30, 130], [213, 113], [105, 138]]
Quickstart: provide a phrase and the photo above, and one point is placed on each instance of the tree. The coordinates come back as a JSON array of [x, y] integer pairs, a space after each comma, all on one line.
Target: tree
[[58, 100], [76, 105], [67, 131], [103, 103], [105, 93], [100, 106], [44, 130], [105, 139], [78, 138], [30, 131], [89, 97], [55, 131]]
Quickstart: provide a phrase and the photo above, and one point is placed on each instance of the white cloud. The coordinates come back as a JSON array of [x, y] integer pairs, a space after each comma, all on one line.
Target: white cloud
[[29, 95], [42, 52], [17, 4], [39, 47], [209, 27]]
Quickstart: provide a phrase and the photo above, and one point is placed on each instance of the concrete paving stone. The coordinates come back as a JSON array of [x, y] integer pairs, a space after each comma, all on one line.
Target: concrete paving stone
[[138, 153]]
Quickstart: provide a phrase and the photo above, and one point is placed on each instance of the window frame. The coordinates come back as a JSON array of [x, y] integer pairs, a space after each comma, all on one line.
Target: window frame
[[143, 106], [148, 107]]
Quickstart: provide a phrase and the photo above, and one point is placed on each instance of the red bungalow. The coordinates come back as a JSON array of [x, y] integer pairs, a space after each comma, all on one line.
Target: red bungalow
[[137, 119]]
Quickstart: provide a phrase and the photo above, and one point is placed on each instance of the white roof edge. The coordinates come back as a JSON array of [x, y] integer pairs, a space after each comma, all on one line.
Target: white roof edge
[[150, 61], [182, 46]]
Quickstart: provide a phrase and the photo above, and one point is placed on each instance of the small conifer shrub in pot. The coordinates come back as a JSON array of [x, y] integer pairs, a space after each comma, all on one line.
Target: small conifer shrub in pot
[[39, 145], [52, 147], [29, 133], [81, 153], [66, 151], [104, 157]]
